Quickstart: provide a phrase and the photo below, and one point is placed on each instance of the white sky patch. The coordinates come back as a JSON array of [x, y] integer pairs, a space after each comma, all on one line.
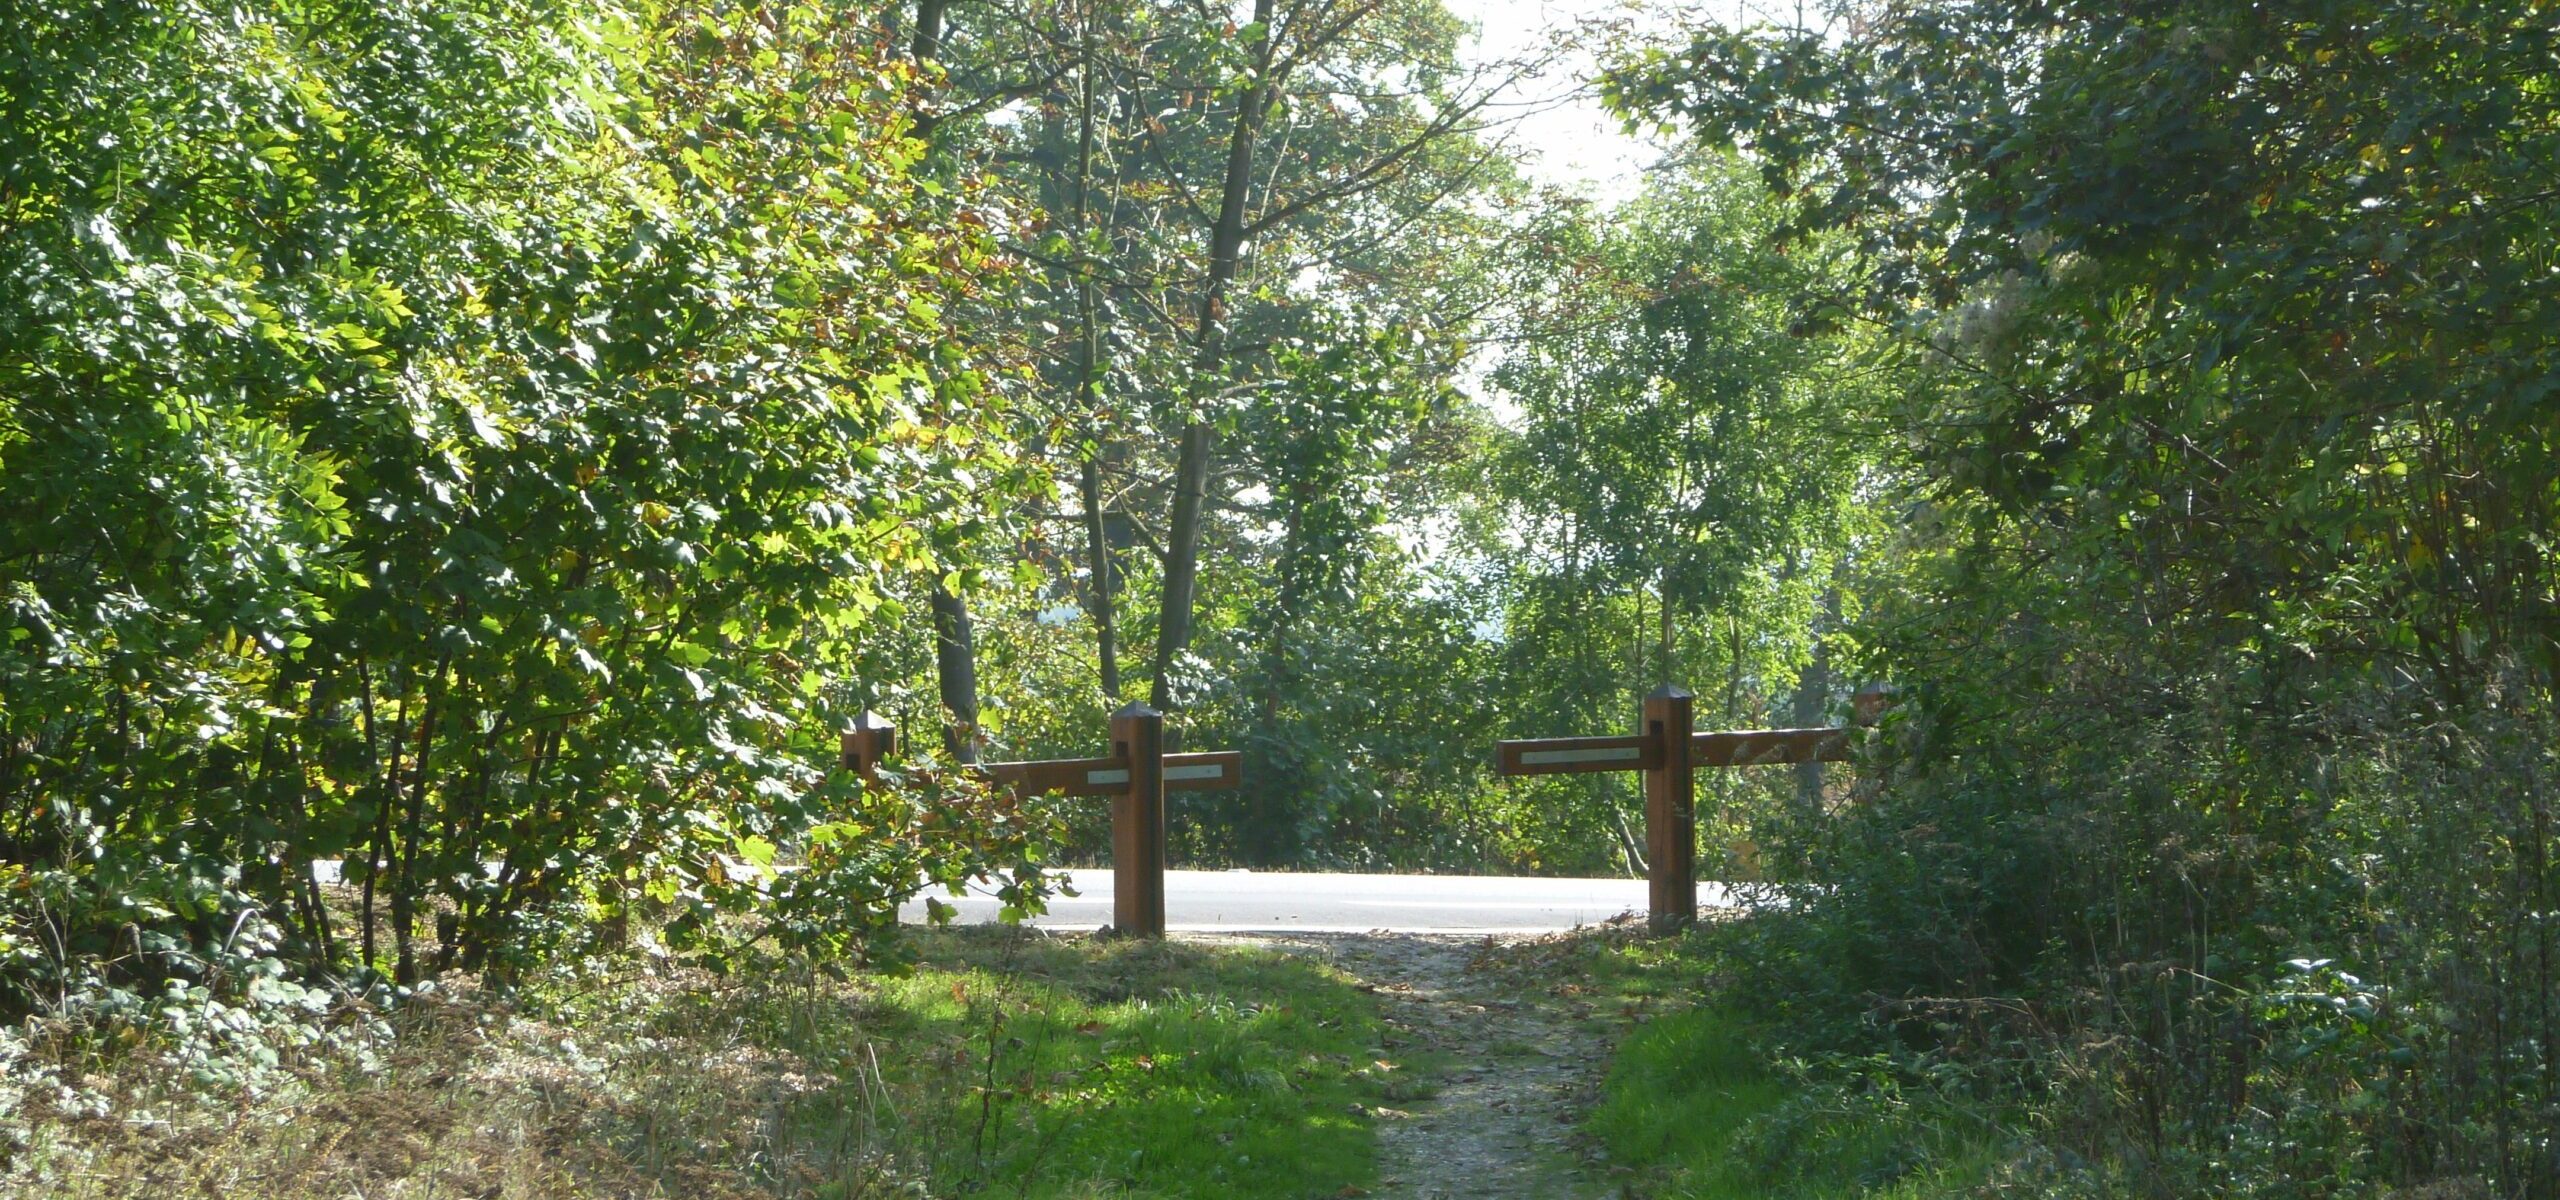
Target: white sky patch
[[1565, 138]]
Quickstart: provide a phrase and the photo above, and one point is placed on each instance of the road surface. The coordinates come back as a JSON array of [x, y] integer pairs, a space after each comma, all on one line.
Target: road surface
[[1267, 901]]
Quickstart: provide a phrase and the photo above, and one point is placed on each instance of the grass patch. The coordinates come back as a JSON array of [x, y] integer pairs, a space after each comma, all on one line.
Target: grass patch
[[1702, 1101], [1009, 1063], [1143, 1069], [1692, 1100]]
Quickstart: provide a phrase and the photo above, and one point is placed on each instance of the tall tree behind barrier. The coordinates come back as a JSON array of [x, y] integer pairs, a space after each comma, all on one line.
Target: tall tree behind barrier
[[1687, 476]]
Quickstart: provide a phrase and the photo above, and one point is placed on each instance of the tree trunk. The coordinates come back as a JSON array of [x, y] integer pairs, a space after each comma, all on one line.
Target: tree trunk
[[1813, 687], [955, 664], [1097, 533], [927, 45], [1097, 541], [1670, 636], [955, 651], [1182, 558], [1191, 470]]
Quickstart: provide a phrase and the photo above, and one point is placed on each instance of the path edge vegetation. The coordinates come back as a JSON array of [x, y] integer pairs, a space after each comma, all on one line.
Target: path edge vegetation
[[1003, 1059], [489, 449]]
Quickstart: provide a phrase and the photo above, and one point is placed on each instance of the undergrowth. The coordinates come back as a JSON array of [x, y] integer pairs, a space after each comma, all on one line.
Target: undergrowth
[[1007, 1062], [1704, 1099]]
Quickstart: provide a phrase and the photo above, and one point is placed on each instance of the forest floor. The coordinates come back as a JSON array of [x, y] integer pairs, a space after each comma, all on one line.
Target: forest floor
[[1492, 1076], [1274, 1067]]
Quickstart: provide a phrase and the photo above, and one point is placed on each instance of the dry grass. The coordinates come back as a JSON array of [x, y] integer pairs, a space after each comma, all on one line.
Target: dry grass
[[1009, 1062], [478, 1102]]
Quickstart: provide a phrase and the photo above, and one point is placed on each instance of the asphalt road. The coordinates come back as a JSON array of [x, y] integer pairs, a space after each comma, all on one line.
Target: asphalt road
[[1263, 901]]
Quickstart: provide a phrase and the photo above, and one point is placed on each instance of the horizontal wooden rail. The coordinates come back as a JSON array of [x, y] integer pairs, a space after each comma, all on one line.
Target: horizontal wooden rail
[[1577, 755], [1073, 776], [1201, 772], [1205, 771], [1668, 749]]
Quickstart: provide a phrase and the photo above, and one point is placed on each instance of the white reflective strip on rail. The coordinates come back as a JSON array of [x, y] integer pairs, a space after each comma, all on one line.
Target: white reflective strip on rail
[[1100, 777], [1531, 758], [1205, 771]]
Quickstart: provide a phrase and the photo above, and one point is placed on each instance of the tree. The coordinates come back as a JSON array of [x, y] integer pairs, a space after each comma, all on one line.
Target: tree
[[475, 445], [1312, 140], [1687, 476], [2227, 330]]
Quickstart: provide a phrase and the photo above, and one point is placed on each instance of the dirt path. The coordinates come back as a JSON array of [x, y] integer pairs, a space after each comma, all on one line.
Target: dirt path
[[1497, 1077]]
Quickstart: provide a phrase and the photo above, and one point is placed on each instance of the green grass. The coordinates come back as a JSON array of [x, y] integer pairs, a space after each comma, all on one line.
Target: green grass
[[1007, 1064], [1143, 1069], [1700, 1102], [1692, 1098]]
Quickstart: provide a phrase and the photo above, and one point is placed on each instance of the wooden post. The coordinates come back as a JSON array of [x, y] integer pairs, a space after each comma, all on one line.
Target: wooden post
[[1667, 748], [1137, 823], [870, 740], [1136, 776], [1869, 703], [1670, 810]]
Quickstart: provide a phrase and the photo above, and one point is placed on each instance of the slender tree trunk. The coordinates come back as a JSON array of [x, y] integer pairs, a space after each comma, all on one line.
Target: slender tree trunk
[[1191, 468], [1097, 531], [1182, 557], [1106, 623], [1670, 642], [386, 795], [1630, 847], [955, 655], [405, 887], [955, 663], [927, 44], [1813, 687]]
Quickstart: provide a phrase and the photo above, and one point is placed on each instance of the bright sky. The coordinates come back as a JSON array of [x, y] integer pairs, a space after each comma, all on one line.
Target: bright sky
[[1568, 139]]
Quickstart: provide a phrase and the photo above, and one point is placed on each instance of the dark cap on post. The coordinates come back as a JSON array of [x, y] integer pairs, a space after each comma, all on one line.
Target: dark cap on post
[[1868, 703]]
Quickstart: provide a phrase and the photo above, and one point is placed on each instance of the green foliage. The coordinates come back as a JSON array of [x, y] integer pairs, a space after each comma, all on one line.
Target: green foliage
[[1706, 1098], [1319, 371], [1683, 489], [2225, 590], [1672, 434], [479, 444]]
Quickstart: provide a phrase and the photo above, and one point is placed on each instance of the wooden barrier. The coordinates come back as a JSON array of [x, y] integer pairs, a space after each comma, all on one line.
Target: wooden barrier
[[1668, 750], [1670, 804], [869, 741], [1136, 775]]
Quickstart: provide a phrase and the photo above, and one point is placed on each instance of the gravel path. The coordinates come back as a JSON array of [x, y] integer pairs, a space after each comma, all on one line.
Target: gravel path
[[1497, 1078]]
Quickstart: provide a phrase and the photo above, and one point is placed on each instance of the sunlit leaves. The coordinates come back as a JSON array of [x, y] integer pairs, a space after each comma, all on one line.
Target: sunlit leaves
[[447, 439]]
